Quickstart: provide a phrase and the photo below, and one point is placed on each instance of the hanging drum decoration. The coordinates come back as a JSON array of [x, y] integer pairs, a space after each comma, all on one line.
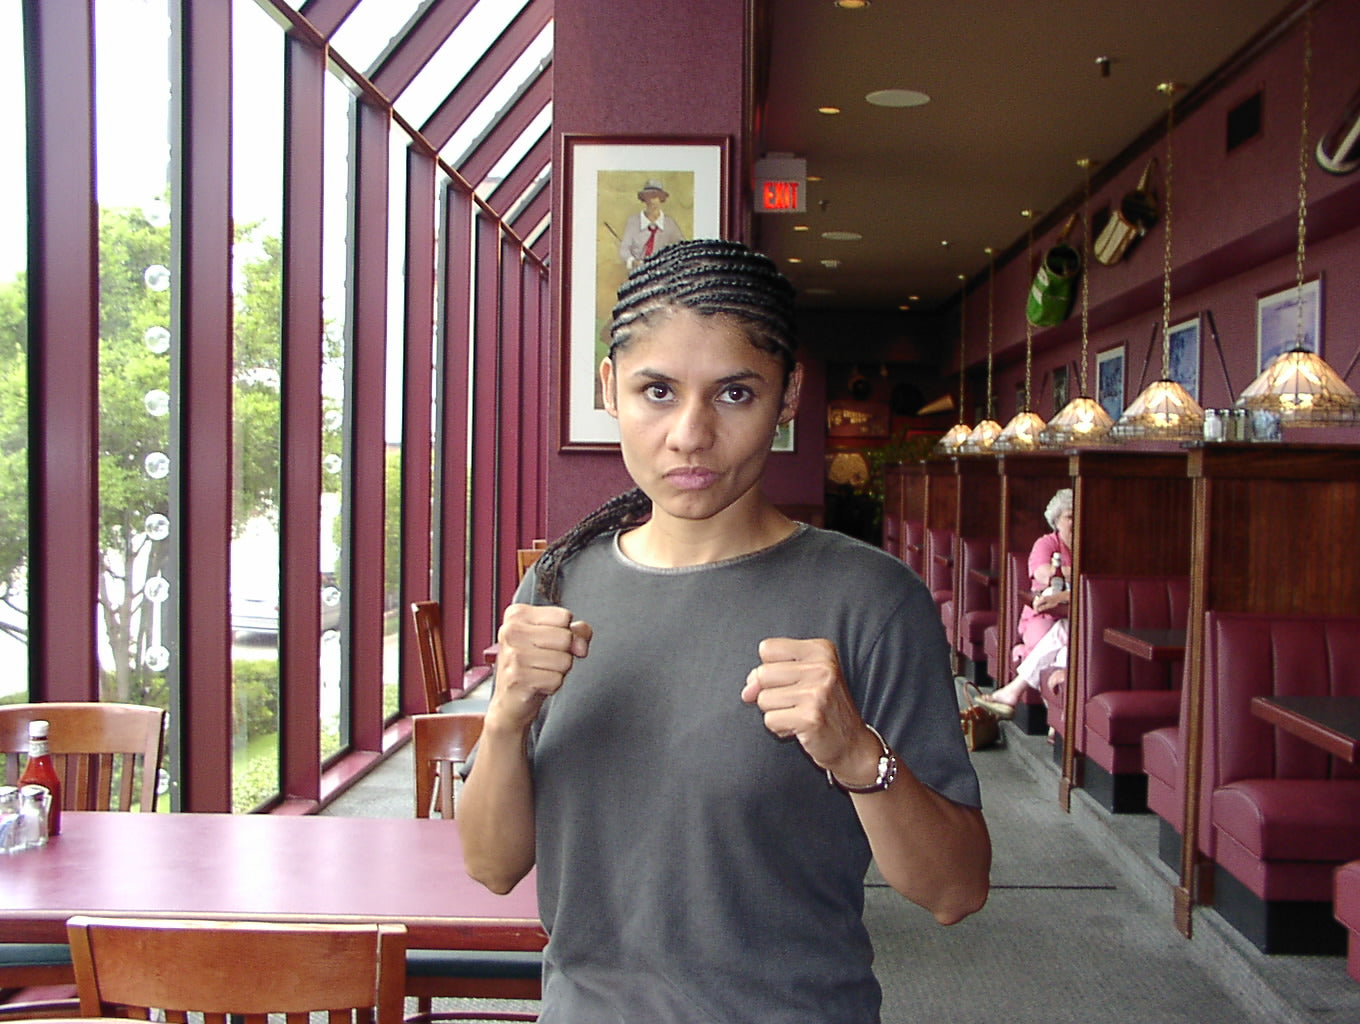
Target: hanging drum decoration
[[1339, 150], [1055, 282], [1129, 221]]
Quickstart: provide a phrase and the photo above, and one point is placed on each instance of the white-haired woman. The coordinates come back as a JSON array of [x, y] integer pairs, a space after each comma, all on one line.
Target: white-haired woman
[[1043, 624]]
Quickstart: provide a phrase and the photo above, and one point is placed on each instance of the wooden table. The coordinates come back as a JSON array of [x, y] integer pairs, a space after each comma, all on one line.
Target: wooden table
[[263, 867], [1331, 723], [1149, 644]]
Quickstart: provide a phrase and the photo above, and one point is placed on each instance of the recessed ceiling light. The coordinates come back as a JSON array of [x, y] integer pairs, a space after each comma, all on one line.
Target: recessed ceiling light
[[897, 98], [801, 227], [904, 307], [831, 264], [795, 259], [842, 236], [828, 110], [819, 291], [851, 5], [814, 177]]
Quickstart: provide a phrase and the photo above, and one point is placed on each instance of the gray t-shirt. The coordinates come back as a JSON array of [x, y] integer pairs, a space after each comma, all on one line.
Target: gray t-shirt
[[692, 867]]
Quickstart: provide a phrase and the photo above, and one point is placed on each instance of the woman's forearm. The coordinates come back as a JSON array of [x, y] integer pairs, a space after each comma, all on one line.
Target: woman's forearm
[[496, 811]]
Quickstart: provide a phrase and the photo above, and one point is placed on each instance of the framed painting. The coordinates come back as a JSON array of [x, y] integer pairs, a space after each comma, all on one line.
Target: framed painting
[[1183, 358], [1110, 380], [1288, 318], [1060, 389], [624, 198]]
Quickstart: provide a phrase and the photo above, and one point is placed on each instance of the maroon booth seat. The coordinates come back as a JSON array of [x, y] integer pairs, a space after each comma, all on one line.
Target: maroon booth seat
[[1030, 713], [913, 542], [939, 565], [1123, 696], [972, 609], [1284, 813], [1164, 766], [1346, 909]]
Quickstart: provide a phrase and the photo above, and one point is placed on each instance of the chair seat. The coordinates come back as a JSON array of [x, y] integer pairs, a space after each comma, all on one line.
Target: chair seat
[[1123, 717]]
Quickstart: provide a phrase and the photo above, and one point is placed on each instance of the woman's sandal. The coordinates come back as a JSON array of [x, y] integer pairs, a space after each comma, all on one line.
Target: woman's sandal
[[998, 708]]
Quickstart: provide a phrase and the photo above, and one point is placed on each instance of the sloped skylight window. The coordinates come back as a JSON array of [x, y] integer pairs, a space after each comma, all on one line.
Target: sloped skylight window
[[370, 29], [521, 73], [446, 68]]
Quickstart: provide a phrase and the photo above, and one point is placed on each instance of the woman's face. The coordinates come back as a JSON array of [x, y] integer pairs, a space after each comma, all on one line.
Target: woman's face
[[1065, 526], [697, 406]]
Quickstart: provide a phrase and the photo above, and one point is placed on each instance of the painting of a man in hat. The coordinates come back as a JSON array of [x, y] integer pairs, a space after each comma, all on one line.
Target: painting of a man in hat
[[649, 230]]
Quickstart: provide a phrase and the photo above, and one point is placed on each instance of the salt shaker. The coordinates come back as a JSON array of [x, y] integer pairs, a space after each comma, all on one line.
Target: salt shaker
[[11, 831], [1213, 425], [33, 812]]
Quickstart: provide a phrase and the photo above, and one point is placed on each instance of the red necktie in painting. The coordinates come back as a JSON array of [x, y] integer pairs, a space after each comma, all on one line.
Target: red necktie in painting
[[650, 247]]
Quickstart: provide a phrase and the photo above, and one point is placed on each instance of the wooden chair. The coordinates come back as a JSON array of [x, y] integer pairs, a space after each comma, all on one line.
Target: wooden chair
[[100, 751], [434, 672], [441, 743], [94, 744], [240, 969]]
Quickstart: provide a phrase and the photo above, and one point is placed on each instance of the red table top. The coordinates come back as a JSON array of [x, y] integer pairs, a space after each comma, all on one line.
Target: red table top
[[272, 867]]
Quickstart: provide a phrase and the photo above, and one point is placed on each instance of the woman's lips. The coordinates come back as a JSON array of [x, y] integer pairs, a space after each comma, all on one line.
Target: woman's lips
[[691, 478]]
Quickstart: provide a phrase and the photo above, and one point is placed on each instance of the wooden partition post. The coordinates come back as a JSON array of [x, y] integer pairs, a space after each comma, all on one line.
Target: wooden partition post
[[977, 516], [1131, 516], [1274, 530]]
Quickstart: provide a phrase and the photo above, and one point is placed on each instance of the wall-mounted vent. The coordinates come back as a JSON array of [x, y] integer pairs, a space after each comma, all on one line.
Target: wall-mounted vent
[[1244, 121]]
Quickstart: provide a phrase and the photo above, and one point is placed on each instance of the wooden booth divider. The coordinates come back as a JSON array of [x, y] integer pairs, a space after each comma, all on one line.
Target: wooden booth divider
[[1131, 516], [1273, 531]]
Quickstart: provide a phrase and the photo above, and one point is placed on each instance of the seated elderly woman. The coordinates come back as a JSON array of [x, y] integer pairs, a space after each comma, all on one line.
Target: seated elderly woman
[[1043, 624]]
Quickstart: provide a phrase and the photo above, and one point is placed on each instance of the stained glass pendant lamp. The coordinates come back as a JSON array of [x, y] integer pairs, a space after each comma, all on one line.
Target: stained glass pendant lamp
[[1298, 385], [1083, 421], [957, 434], [984, 435], [1021, 434], [1164, 410]]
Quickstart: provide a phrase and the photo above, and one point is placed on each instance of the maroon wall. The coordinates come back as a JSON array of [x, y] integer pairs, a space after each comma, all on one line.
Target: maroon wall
[[691, 82], [1234, 233]]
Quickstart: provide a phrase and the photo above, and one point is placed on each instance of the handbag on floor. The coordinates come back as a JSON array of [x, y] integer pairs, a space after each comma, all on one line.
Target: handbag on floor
[[980, 727]]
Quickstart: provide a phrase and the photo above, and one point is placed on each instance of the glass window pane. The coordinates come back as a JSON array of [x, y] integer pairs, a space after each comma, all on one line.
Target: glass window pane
[[13, 366], [446, 68], [370, 27], [138, 650], [512, 156], [334, 303], [484, 116], [396, 341], [257, 282]]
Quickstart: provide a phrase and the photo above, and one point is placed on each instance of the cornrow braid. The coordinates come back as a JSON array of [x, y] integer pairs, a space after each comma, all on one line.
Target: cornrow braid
[[712, 278], [632, 508], [706, 276]]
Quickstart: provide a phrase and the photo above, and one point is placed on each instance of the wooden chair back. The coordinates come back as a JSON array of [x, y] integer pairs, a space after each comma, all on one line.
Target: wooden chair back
[[107, 755], [525, 557], [239, 969], [441, 743], [428, 620]]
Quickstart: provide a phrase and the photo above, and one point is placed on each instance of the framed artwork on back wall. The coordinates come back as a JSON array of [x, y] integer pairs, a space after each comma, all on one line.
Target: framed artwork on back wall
[[624, 198]]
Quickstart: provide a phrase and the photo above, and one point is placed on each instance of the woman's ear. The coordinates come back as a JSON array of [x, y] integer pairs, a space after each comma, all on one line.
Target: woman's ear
[[608, 387], [792, 392]]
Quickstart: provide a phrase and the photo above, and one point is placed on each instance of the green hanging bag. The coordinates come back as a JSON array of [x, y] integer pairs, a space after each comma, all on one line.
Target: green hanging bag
[[1055, 282]]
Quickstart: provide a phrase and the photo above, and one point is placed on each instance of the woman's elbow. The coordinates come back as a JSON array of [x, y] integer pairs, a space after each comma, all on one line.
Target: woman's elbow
[[962, 902]]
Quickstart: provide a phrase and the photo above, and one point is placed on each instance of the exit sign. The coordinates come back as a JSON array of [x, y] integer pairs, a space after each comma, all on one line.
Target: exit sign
[[781, 185]]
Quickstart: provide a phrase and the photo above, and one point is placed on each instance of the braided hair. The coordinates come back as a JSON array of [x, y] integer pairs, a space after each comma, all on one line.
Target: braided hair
[[712, 278]]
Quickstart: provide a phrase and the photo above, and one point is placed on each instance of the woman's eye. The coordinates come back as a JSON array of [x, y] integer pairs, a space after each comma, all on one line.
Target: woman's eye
[[657, 392]]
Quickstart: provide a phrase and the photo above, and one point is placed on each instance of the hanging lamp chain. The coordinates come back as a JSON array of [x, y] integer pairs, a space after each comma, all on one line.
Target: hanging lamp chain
[[1029, 327], [1170, 89], [963, 334], [991, 277], [1303, 172], [1085, 269]]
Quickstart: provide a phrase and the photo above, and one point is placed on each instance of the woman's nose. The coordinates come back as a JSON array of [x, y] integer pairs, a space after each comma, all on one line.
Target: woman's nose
[[693, 428]]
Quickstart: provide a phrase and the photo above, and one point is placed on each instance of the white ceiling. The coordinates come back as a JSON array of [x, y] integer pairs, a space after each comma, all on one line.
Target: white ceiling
[[1017, 97]]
